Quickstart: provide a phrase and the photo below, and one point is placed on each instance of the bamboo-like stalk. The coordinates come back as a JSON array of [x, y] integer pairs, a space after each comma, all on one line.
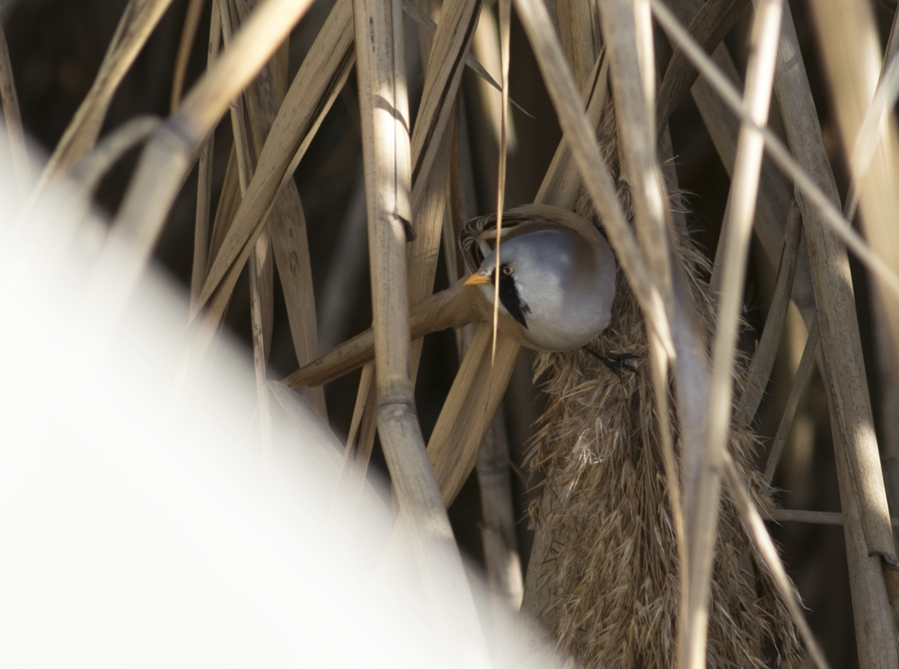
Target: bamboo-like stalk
[[387, 162]]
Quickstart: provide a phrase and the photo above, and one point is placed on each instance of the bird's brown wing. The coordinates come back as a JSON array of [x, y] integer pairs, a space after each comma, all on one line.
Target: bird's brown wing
[[478, 237]]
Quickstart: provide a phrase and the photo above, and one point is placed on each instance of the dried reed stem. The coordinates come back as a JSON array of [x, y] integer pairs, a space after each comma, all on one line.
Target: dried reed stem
[[702, 513], [387, 161]]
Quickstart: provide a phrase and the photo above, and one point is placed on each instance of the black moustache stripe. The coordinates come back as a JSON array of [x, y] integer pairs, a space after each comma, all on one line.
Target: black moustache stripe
[[508, 295]]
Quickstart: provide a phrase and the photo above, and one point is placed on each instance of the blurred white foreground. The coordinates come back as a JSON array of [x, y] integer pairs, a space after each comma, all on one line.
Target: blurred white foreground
[[140, 530]]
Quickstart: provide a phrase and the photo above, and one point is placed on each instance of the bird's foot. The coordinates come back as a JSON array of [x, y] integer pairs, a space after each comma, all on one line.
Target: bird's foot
[[616, 363]]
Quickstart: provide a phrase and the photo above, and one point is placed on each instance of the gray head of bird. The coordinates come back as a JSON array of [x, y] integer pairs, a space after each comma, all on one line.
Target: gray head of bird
[[556, 287]]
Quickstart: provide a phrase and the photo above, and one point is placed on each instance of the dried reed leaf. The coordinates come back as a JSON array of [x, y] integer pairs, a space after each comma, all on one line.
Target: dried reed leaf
[[188, 35], [138, 21], [712, 22], [286, 227], [766, 352], [260, 264], [469, 409], [443, 74], [229, 201], [564, 184], [580, 37], [316, 85], [428, 24]]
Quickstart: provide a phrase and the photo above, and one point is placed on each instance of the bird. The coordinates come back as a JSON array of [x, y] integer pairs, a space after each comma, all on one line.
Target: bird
[[557, 281]]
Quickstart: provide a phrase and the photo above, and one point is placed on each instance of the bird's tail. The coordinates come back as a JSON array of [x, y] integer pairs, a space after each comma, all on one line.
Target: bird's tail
[[454, 307]]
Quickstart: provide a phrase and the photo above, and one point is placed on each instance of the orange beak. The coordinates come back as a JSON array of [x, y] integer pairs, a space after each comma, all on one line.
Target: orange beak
[[477, 279]]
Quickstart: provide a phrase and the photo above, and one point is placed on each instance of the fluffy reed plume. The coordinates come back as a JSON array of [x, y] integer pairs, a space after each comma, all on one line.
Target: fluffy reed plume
[[603, 576]]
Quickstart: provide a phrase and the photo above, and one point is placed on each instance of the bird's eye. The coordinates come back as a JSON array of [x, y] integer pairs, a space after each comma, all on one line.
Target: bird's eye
[[508, 270]]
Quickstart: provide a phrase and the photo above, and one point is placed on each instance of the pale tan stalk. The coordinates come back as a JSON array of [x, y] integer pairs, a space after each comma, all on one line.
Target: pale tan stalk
[[387, 161], [633, 87], [702, 493], [505, 22], [755, 526]]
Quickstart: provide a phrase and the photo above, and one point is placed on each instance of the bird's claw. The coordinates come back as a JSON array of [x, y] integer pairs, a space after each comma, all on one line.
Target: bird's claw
[[616, 363]]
